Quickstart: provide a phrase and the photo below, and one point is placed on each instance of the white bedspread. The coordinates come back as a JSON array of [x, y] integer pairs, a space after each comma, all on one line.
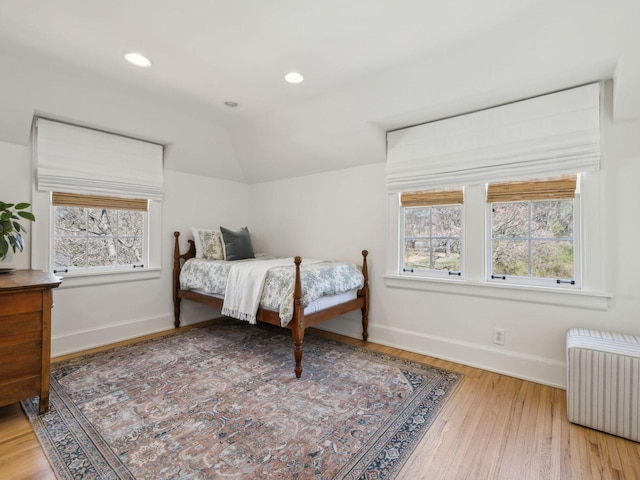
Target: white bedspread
[[245, 284]]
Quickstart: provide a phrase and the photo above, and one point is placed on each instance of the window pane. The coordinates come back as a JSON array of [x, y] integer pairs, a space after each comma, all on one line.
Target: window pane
[[130, 223], [552, 259], [552, 219], [70, 252], [129, 250], [446, 221], [416, 222], [416, 254], [510, 220], [70, 221], [101, 222], [511, 257], [446, 254], [101, 252]]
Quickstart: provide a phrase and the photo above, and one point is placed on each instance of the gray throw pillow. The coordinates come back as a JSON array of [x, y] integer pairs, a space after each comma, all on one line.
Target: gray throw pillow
[[237, 245]]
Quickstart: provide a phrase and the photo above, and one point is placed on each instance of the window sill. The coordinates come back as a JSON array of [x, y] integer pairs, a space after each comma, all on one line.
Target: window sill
[[87, 279], [517, 293]]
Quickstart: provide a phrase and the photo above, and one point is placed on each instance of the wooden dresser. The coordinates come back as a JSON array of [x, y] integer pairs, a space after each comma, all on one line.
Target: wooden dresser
[[25, 335]]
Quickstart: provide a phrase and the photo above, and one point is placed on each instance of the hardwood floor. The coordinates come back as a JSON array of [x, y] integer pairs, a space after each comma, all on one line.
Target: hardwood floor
[[493, 427]]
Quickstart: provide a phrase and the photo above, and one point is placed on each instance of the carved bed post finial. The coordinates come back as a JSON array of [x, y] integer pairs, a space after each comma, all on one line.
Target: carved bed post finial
[[176, 280], [365, 294], [297, 330]]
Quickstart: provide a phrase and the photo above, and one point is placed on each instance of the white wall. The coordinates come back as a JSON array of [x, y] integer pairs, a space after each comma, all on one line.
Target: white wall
[[15, 163], [336, 214]]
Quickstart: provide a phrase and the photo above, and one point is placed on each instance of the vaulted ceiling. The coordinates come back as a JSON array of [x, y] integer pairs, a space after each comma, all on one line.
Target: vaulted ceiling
[[369, 66]]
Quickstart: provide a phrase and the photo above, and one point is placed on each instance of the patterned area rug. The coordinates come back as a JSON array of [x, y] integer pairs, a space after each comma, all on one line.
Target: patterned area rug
[[222, 402]]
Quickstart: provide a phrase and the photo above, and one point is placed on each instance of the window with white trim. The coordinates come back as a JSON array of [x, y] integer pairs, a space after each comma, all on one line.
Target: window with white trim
[[99, 198], [94, 233], [432, 232], [555, 240], [531, 233], [534, 232]]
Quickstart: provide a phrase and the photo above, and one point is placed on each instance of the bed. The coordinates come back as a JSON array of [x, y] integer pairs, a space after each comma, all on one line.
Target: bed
[[301, 317]]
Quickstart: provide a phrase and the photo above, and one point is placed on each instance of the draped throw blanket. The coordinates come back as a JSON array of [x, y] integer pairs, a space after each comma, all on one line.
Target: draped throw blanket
[[245, 284]]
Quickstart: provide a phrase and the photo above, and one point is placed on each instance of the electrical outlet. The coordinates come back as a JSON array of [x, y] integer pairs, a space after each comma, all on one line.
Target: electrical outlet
[[498, 336]]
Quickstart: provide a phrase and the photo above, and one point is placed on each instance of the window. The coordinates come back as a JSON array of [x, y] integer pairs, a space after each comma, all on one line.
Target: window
[[432, 232], [95, 232], [98, 197], [533, 239], [532, 231], [555, 241]]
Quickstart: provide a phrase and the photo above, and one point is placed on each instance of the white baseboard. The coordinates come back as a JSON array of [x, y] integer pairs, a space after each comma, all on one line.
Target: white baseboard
[[86, 339], [514, 364]]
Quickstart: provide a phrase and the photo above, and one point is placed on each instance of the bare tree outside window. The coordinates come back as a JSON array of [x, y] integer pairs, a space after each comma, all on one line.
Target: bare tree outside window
[[432, 237], [97, 237], [533, 239]]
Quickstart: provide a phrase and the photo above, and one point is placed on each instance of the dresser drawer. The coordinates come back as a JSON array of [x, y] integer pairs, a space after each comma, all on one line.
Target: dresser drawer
[[14, 391], [20, 302], [20, 360], [24, 325]]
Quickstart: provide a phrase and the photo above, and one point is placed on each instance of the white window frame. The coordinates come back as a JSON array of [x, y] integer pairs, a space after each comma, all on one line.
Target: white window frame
[[42, 248], [592, 294], [76, 271], [428, 272], [537, 281]]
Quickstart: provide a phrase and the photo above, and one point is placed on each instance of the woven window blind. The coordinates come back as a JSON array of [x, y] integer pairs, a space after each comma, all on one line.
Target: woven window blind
[[97, 201], [432, 197], [537, 189], [550, 135]]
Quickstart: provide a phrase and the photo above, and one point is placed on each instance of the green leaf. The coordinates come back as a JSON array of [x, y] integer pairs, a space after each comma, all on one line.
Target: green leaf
[[17, 226], [4, 247], [5, 206], [4, 216], [22, 206], [27, 215]]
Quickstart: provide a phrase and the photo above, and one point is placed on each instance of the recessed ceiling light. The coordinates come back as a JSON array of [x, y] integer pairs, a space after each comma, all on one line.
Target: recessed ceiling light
[[137, 59], [231, 104], [294, 77]]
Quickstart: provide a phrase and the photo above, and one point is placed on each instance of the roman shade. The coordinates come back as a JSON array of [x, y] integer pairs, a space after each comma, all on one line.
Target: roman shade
[[553, 134], [82, 160]]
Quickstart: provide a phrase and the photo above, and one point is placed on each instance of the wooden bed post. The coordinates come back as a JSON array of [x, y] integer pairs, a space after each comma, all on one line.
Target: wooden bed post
[[297, 329], [365, 295], [176, 280]]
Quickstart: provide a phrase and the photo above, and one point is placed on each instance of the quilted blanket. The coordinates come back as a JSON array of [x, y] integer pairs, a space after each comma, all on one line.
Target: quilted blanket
[[318, 279]]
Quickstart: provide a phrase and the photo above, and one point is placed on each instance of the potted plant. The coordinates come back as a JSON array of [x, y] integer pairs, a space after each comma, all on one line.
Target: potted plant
[[10, 228]]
